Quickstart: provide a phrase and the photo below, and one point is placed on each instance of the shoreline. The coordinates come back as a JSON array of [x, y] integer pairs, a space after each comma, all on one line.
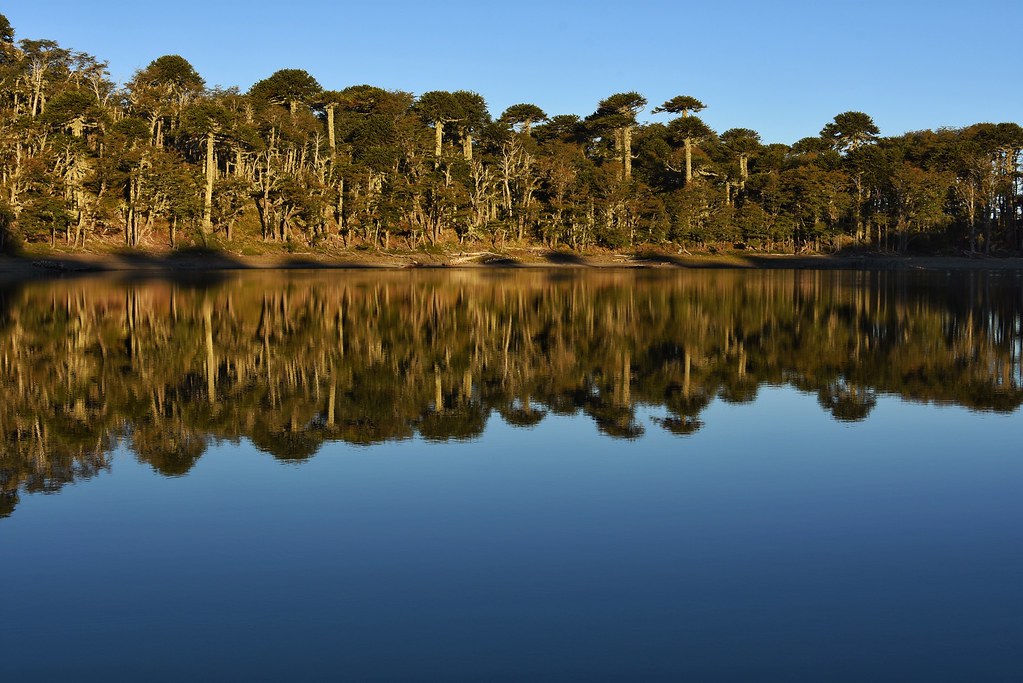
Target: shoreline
[[57, 264]]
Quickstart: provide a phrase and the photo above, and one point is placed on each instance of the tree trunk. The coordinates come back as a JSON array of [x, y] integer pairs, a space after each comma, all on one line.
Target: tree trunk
[[467, 146], [627, 151], [988, 219], [972, 213], [859, 208], [331, 142], [211, 168], [438, 131], [689, 160]]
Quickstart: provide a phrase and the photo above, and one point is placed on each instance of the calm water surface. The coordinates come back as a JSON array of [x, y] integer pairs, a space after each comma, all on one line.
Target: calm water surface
[[498, 476]]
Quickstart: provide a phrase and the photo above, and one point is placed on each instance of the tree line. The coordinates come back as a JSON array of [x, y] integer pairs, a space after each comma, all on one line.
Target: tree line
[[165, 161], [290, 363]]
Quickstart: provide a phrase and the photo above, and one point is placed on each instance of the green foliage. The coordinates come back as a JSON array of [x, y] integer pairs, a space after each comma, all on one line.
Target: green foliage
[[438, 106], [523, 116], [173, 71], [6, 30], [754, 224], [472, 109], [205, 118], [368, 167], [43, 218], [850, 130], [616, 112], [625, 105], [681, 104], [73, 110], [10, 239], [287, 87], [688, 128]]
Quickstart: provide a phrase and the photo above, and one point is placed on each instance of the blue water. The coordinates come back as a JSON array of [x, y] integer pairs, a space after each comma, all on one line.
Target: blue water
[[773, 544]]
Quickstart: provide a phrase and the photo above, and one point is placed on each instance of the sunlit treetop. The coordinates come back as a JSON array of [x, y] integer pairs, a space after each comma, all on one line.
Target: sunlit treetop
[[681, 104], [6, 30], [173, 70], [523, 115], [849, 130], [287, 87], [619, 109], [741, 139]]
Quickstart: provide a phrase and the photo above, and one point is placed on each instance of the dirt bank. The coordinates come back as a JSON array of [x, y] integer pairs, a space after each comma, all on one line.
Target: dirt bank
[[184, 263]]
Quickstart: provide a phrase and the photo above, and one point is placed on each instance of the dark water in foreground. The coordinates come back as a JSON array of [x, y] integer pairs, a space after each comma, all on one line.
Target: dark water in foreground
[[494, 476]]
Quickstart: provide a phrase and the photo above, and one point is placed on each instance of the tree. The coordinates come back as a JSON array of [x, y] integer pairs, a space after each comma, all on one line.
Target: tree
[[523, 116], [689, 131], [327, 101], [8, 52], [287, 87], [741, 142], [686, 106], [681, 104], [473, 116], [438, 107], [161, 92], [73, 111], [174, 73], [918, 199], [618, 113], [205, 121], [465, 108], [44, 61], [850, 130], [6, 31]]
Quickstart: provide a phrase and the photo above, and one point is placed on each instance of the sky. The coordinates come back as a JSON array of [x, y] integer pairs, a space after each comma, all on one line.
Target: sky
[[783, 68]]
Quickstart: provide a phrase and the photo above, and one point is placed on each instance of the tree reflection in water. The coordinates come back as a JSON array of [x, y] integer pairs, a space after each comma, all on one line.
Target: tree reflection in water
[[290, 361]]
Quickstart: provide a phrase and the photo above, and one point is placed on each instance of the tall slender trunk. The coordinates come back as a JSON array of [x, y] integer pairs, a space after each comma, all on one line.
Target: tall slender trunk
[[972, 213], [438, 131], [627, 151], [859, 208], [331, 142], [211, 169], [988, 220], [689, 160]]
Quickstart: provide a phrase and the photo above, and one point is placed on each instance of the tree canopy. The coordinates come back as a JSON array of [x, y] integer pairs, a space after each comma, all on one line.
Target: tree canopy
[[165, 160]]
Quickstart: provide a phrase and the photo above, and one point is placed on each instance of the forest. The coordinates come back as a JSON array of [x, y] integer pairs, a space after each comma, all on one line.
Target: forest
[[293, 362], [165, 162]]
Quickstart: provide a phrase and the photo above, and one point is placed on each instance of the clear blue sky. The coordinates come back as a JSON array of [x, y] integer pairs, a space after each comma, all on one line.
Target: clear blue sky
[[784, 68]]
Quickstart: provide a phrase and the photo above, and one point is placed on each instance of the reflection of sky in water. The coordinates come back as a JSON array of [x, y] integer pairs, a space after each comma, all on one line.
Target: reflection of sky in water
[[773, 544]]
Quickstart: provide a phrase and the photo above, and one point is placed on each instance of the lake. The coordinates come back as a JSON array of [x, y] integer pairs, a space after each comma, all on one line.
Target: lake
[[502, 475]]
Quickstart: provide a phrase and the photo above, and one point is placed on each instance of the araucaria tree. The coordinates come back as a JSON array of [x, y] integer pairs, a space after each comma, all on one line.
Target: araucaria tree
[[166, 160]]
